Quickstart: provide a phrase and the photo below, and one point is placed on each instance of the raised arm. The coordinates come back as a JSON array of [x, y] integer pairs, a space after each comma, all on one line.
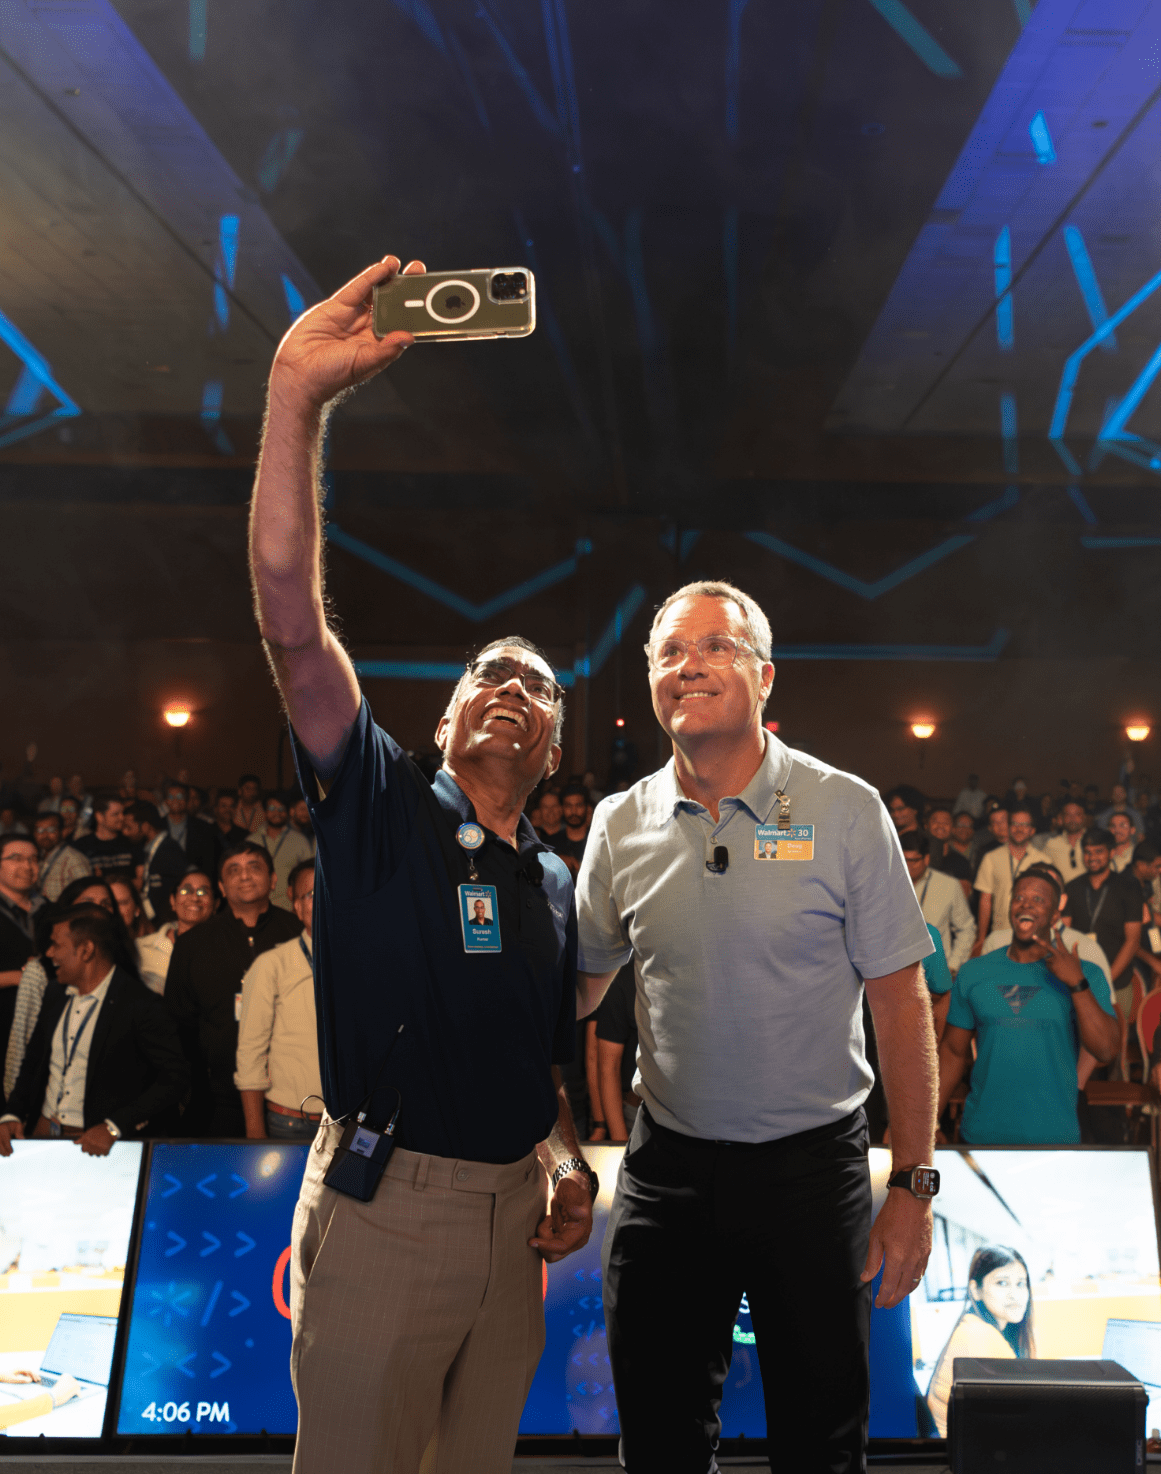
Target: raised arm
[[329, 351]]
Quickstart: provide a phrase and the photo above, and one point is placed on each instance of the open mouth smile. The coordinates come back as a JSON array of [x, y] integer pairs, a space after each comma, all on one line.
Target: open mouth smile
[[506, 714]]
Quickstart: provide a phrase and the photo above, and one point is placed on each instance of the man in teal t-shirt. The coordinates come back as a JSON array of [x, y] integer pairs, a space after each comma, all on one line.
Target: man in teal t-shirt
[[1029, 1006], [938, 976]]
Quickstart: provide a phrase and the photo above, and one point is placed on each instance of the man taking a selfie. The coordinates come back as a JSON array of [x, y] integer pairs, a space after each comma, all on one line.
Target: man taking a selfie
[[416, 1294]]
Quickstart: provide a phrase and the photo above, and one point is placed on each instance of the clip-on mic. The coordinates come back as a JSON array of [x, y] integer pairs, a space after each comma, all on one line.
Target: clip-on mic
[[720, 862], [534, 871]]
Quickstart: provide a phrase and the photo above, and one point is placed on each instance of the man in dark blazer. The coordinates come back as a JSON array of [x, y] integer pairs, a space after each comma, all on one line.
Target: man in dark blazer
[[164, 862], [104, 1061]]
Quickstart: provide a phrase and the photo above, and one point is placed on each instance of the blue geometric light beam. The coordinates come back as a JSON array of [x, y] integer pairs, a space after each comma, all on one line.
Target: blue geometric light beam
[[1002, 267], [1086, 280], [588, 666], [225, 268], [1009, 434], [613, 632], [848, 581], [920, 40], [477, 613], [1041, 140], [295, 302], [540, 109], [1072, 366], [733, 66], [990, 651], [36, 377], [1115, 437]]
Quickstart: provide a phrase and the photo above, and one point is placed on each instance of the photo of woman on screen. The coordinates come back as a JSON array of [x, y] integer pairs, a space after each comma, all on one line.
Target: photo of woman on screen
[[996, 1321]]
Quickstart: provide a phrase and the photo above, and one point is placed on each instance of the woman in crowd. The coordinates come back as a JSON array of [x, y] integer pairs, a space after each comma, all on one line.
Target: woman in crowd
[[87, 889], [996, 1321], [129, 906], [193, 901]]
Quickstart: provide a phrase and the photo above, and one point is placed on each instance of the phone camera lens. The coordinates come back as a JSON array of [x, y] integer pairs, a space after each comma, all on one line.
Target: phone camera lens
[[509, 286]]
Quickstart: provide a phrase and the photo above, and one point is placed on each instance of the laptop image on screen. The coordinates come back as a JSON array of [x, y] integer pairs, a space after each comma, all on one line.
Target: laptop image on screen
[[82, 1347], [1136, 1344]]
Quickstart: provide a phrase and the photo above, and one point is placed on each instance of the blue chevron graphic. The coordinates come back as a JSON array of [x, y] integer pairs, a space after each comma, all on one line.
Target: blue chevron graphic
[[590, 665], [477, 613], [990, 651], [36, 379], [847, 580]]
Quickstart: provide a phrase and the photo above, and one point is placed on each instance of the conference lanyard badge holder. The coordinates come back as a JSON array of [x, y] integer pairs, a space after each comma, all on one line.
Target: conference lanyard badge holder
[[360, 1159]]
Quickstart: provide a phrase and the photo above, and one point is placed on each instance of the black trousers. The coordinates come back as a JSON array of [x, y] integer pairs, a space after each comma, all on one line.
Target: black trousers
[[694, 1225]]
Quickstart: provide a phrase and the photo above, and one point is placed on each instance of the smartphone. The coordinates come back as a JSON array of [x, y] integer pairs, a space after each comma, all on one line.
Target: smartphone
[[446, 306]]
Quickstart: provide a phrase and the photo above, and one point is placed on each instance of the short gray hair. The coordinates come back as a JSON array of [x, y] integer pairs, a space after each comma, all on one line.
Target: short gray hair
[[517, 642], [757, 625]]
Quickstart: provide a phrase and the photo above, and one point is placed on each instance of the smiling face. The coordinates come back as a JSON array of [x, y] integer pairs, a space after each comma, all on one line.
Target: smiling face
[[502, 721], [698, 701], [1121, 828], [193, 900], [1032, 909], [245, 880], [1004, 1293], [939, 825], [1021, 827]]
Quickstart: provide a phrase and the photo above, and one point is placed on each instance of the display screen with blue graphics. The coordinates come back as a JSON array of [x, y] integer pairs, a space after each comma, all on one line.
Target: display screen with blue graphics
[[209, 1324]]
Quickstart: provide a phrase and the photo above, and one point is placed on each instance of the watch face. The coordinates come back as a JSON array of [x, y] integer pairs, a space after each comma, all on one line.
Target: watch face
[[925, 1182]]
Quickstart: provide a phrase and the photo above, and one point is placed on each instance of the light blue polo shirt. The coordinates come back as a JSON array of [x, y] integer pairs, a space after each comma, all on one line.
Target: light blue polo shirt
[[749, 982], [1024, 1079]]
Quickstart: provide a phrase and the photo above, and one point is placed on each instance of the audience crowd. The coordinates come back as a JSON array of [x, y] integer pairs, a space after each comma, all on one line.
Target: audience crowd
[[156, 971]]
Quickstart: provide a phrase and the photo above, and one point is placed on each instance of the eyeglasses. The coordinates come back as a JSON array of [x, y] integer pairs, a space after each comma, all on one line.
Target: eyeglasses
[[499, 672], [201, 891], [20, 860], [716, 650]]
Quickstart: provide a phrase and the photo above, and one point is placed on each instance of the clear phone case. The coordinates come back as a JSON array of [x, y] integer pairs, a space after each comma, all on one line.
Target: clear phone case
[[443, 306]]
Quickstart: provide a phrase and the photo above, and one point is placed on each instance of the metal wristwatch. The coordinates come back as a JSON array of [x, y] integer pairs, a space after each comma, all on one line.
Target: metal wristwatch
[[577, 1164], [113, 1129], [921, 1182]]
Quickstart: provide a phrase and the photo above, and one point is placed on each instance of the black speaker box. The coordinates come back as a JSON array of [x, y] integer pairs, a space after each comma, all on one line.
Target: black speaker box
[[1044, 1417]]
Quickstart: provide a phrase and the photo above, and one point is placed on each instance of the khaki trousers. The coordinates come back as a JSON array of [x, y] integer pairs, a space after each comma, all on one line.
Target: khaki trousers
[[418, 1317]]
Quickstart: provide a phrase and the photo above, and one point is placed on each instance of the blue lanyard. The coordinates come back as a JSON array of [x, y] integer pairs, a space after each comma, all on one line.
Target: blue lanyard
[[308, 955], [68, 1064]]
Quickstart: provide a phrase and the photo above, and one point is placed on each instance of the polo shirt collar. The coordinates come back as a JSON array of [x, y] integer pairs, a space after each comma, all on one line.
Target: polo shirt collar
[[452, 798], [759, 797]]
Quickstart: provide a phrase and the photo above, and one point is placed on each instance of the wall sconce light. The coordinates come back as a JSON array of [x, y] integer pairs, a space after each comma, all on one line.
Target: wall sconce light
[[176, 716], [923, 730], [1137, 731]]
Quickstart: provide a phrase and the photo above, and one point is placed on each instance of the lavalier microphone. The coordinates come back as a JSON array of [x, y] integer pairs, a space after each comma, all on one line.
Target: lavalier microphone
[[720, 862]]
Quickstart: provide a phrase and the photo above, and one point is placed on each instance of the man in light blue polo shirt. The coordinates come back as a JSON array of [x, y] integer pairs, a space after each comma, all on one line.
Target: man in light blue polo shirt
[[1028, 1005], [748, 1157]]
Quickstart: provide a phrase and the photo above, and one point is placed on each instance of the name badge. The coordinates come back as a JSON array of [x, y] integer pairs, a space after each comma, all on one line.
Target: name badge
[[480, 918], [237, 1008], [1155, 939], [364, 1142], [795, 843]]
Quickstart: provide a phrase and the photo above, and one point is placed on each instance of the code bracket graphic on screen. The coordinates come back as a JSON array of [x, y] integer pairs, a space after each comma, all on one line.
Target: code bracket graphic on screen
[[209, 1326]]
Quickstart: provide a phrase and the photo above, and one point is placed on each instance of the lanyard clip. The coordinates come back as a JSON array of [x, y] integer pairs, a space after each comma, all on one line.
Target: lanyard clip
[[783, 809]]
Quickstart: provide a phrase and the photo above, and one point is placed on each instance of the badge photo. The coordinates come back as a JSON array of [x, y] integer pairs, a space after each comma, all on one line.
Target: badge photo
[[795, 843], [480, 918]]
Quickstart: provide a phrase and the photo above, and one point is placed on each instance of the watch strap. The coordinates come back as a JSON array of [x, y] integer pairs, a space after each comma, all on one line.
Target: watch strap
[[1081, 987], [113, 1129]]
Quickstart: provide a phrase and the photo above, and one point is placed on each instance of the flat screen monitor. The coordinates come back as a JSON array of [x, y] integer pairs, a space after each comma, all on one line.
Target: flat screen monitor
[[1064, 1242], [208, 1349], [66, 1222]]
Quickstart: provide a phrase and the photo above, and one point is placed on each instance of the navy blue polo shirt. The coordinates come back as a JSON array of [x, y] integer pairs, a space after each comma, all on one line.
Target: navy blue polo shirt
[[481, 1030]]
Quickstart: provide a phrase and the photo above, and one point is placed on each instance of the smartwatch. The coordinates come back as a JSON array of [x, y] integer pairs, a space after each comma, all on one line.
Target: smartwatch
[[575, 1164], [1081, 987], [921, 1182]]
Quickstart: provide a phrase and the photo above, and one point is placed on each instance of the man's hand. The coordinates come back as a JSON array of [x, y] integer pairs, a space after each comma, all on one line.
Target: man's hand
[[97, 1141], [332, 348], [1063, 964], [9, 1131], [569, 1221], [900, 1244]]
